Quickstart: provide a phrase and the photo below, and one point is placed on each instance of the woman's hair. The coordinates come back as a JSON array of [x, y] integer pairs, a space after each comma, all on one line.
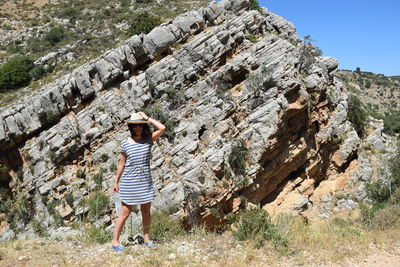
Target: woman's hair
[[146, 133]]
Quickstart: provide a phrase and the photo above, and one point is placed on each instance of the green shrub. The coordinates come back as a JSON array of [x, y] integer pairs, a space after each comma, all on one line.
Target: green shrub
[[113, 167], [254, 5], [51, 208], [37, 72], [252, 38], [97, 235], [143, 23], [144, 1], [48, 117], [39, 228], [378, 191], [223, 85], [387, 217], [255, 225], [20, 174], [98, 179], [97, 203], [175, 98], [15, 73], [81, 173], [170, 124], [392, 122], [55, 35], [164, 227], [357, 115], [307, 54], [237, 158], [69, 198]]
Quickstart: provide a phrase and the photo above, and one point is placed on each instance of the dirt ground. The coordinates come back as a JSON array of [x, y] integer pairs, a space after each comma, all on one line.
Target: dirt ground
[[210, 250]]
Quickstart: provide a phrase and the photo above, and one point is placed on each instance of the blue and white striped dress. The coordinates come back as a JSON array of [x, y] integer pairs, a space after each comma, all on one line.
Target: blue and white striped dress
[[136, 185]]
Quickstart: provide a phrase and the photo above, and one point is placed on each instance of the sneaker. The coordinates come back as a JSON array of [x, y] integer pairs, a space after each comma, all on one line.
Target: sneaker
[[118, 248], [150, 244]]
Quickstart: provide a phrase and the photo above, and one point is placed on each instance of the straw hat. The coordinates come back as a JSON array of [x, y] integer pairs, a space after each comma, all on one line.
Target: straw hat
[[136, 119]]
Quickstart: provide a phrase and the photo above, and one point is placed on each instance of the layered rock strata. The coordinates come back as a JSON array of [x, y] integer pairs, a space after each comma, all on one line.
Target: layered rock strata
[[247, 121]]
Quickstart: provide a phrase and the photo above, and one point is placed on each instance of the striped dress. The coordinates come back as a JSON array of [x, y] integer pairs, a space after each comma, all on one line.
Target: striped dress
[[136, 185]]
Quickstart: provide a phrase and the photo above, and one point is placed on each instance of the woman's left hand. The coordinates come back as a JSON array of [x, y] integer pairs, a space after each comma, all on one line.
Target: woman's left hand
[[144, 116]]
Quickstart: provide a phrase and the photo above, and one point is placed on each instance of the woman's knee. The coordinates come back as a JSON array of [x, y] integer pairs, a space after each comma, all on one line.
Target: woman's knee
[[125, 212]]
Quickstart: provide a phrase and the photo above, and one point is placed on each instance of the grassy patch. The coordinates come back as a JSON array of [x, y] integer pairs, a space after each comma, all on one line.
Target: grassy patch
[[164, 227], [96, 235], [97, 202], [256, 226]]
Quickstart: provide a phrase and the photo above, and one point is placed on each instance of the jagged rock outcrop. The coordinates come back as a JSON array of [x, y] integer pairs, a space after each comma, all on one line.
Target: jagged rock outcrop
[[246, 121]]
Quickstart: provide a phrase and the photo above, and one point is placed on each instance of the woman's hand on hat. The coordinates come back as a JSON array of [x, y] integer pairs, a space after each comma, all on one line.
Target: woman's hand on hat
[[144, 116]]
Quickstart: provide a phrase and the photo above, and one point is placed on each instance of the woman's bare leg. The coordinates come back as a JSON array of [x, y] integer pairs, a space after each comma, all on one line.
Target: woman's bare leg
[[119, 224], [146, 220]]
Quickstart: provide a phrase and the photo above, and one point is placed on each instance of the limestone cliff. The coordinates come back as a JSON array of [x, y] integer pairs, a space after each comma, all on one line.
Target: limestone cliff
[[254, 115]]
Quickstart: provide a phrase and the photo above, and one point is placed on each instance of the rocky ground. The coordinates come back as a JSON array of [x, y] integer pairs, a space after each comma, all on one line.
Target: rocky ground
[[210, 250]]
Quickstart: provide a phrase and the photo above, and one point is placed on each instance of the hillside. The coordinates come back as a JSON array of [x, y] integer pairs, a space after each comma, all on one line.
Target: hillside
[[379, 92], [259, 125], [61, 35]]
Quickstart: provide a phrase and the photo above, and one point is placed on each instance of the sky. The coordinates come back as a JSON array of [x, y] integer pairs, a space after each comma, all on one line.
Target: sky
[[359, 33]]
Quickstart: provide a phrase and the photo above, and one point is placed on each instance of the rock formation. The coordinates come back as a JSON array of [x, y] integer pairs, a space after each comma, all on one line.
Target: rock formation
[[254, 115]]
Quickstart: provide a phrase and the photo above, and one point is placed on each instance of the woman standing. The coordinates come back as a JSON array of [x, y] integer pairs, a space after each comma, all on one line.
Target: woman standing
[[133, 180]]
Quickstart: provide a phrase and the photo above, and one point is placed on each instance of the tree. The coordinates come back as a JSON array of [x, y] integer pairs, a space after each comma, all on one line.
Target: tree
[[254, 5], [357, 115], [15, 73], [143, 23], [55, 35], [307, 54]]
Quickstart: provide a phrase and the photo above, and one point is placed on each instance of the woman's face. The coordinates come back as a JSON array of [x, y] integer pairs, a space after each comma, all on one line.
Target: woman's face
[[138, 129]]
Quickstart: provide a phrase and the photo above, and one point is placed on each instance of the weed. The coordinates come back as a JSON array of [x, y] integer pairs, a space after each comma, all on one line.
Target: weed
[[39, 228], [164, 227], [97, 235], [97, 203], [98, 179], [255, 225], [51, 207], [252, 38]]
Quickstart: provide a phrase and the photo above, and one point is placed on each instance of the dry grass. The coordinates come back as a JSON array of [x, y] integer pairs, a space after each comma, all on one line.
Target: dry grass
[[320, 242]]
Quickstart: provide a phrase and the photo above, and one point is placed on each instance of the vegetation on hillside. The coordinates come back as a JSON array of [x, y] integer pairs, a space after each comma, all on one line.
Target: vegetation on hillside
[[373, 95], [82, 28], [384, 211]]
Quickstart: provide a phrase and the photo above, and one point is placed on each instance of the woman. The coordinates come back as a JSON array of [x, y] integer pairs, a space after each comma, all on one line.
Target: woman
[[136, 186]]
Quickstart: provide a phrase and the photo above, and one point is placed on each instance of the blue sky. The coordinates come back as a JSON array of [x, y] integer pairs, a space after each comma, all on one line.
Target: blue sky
[[359, 33]]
